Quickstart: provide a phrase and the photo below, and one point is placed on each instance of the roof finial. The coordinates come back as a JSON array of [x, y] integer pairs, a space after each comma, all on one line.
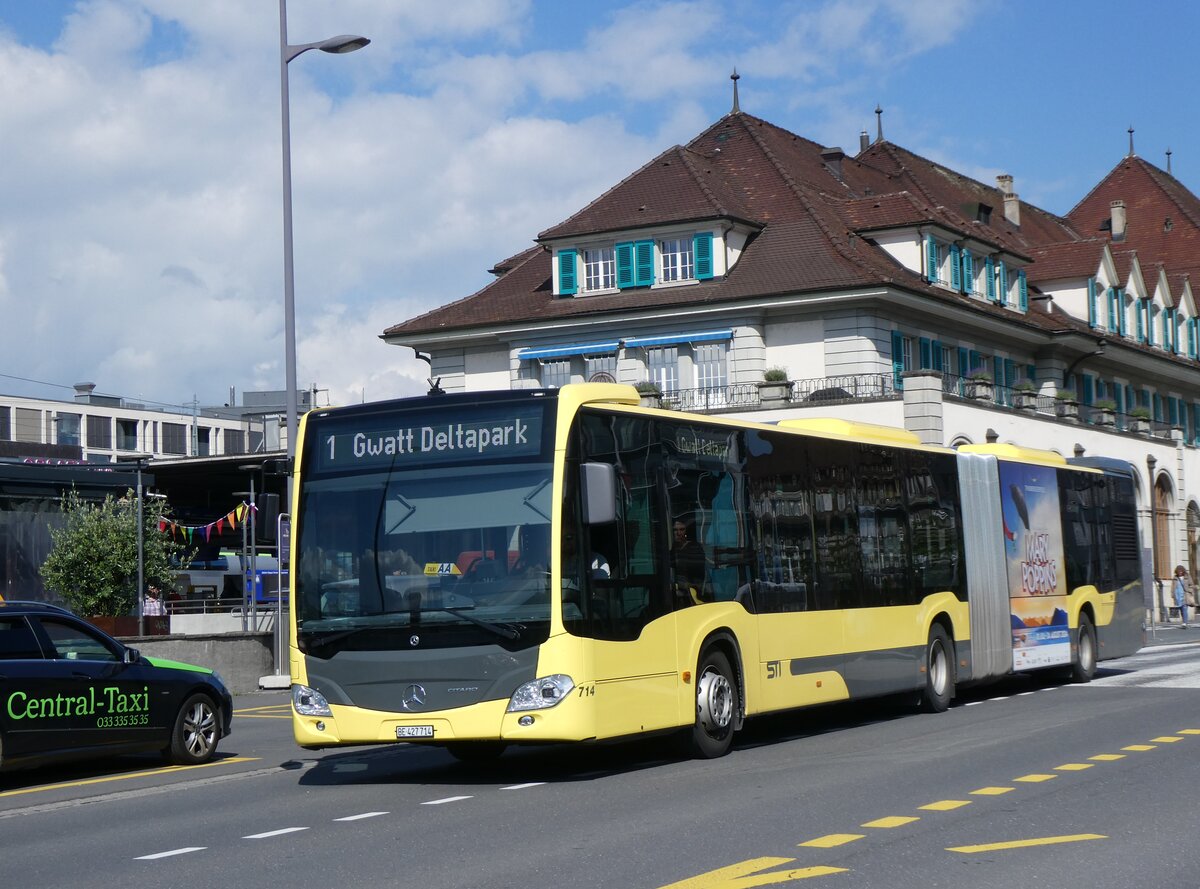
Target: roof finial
[[735, 77], [1131, 140], [1168, 158], [878, 123]]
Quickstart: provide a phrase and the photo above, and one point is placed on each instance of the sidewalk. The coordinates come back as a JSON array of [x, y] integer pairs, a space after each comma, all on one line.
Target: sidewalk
[[1172, 633]]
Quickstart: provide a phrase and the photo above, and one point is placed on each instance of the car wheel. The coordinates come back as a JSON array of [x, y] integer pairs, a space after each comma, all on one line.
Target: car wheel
[[196, 731]]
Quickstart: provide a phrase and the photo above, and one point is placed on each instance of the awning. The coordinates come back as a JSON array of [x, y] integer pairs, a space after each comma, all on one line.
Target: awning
[[567, 351], [707, 336]]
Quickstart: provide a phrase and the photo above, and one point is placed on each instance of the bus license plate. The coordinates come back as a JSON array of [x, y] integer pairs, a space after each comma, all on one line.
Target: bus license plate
[[414, 731]]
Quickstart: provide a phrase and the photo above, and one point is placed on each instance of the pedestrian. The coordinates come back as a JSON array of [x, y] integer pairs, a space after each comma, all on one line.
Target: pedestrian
[[152, 604], [1185, 593]]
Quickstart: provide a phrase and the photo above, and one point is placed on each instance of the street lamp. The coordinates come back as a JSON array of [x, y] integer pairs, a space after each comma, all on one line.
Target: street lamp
[[341, 44]]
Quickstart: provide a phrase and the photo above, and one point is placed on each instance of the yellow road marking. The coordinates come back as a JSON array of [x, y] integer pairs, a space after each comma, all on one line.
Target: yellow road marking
[[1024, 844], [1189, 731], [1107, 757], [747, 874], [992, 791], [830, 840], [946, 805], [891, 821], [1167, 739], [1035, 779], [1137, 747], [266, 708], [1074, 766], [129, 775], [263, 716]]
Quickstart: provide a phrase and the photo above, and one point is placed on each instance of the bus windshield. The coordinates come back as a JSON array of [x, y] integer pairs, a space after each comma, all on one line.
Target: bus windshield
[[462, 553]]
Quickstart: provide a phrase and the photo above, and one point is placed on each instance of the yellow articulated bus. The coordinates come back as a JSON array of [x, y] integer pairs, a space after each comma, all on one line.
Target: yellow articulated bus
[[486, 569]]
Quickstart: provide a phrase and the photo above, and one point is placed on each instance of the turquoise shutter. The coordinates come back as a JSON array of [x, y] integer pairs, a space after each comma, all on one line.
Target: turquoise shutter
[[937, 356], [1091, 302], [897, 358], [1031, 372], [1120, 297], [643, 263], [1118, 398], [931, 270], [1010, 372], [1088, 393], [1158, 408], [998, 370], [566, 272], [1191, 337], [955, 267], [964, 362], [1173, 410], [990, 273], [926, 352], [624, 256], [968, 271], [1141, 326], [1195, 423], [1002, 296], [702, 250], [1022, 291]]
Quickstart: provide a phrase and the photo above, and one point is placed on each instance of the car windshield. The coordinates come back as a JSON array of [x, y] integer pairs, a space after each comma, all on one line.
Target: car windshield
[[459, 551]]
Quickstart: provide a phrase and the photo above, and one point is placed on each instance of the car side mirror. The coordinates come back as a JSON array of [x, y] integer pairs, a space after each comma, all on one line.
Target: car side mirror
[[598, 482], [132, 656]]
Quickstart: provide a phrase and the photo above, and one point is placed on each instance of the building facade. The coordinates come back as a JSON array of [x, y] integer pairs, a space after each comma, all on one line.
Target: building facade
[[881, 287]]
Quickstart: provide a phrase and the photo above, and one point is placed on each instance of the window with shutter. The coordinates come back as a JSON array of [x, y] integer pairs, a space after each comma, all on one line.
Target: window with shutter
[[566, 272], [703, 249], [990, 279], [1022, 291], [926, 353], [968, 273], [643, 262], [955, 268], [897, 358], [625, 265], [1091, 297], [931, 260]]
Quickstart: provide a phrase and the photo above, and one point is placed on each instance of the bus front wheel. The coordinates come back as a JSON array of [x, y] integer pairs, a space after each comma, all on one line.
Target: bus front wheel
[[716, 706], [939, 671]]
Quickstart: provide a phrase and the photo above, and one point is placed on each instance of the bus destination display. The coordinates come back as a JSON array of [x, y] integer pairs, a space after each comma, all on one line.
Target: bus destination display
[[486, 434]]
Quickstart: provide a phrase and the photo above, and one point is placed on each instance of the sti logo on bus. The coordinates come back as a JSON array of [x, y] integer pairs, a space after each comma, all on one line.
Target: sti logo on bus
[[491, 434]]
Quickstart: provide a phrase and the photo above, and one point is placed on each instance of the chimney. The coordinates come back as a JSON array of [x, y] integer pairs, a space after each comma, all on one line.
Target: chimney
[[833, 160], [83, 391], [1012, 204], [1119, 220], [864, 142]]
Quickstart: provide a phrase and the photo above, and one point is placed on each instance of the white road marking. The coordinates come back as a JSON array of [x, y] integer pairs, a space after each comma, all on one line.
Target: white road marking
[[449, 799], [184, 851], [523, 786], [274, 833], [361, 817]]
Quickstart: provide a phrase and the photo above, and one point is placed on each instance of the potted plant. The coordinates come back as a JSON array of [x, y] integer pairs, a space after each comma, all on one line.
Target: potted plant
[[650, 392], [93, 562], [980, 386], [1025, 395], [775, 387], [1066, 405], [1106, 412], [1141, 420]]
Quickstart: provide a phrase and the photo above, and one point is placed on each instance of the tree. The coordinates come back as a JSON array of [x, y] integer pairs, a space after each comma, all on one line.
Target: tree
[[93, 563]]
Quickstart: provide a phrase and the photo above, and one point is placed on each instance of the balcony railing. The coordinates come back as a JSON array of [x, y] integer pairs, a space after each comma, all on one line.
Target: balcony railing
[[823, 391]]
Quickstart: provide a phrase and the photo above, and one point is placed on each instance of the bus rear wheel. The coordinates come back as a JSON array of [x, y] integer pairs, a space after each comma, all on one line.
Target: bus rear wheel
[[717, 706], [939, 671], [1083, 668]]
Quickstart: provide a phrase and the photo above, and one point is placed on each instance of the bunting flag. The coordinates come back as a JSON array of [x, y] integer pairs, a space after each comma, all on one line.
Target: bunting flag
[[190, 532]]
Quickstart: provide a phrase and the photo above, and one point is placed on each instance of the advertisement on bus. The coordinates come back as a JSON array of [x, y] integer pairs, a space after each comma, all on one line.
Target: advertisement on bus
[[1033, 549]]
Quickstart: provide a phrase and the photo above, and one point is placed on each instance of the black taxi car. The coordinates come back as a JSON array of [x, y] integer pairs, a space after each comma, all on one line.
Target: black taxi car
[[70, 691]]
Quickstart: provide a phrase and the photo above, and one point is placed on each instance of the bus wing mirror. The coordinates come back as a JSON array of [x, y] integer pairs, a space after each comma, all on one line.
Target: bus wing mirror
[[599, 486]]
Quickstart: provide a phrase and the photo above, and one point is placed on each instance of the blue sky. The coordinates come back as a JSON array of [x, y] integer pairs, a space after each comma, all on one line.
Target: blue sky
[[140, 221]]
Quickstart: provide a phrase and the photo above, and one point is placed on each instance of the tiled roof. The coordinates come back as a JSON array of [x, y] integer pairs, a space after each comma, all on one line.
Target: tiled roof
[[805, 208], [1074, 259]]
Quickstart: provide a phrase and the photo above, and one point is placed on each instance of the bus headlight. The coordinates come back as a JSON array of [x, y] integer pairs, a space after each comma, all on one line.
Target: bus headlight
[[309, 701], [541, 693]]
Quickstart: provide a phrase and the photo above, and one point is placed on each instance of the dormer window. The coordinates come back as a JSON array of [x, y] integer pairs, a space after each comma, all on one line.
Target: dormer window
[[600, 269], [630, 264], [677, 259]]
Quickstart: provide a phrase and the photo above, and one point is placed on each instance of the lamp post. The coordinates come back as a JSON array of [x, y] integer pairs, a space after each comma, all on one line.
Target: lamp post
[[341, 44]]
